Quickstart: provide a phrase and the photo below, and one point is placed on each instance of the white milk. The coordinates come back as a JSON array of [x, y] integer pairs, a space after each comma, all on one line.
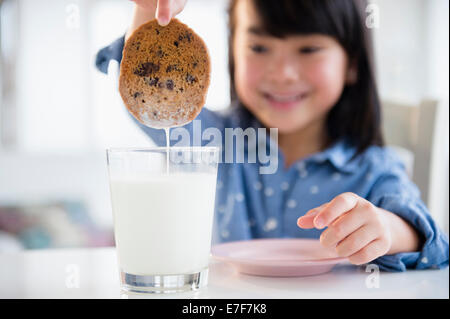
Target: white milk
[[163, 224]]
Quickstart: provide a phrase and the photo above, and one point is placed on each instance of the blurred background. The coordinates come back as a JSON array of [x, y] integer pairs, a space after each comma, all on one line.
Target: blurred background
[[58, 114]]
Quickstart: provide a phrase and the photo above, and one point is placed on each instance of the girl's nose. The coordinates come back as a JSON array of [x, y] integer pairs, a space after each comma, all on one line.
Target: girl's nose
[[284, 70]]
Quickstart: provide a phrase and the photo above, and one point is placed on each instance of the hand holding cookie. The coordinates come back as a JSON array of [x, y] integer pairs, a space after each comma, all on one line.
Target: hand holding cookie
[[162, 10], [164, 74]]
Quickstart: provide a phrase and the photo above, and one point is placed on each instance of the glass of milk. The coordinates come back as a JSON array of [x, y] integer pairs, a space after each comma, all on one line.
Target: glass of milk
[[163, 206]]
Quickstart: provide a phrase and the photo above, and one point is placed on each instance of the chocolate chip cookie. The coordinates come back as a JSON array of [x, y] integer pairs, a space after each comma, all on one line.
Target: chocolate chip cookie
[[164, 74]]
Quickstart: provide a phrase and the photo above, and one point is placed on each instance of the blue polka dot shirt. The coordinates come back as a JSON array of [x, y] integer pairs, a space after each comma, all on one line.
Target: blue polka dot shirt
[[252, 205]]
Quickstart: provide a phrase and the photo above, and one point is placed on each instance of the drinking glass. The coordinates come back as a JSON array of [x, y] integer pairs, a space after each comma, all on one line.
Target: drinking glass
[[163, 206]]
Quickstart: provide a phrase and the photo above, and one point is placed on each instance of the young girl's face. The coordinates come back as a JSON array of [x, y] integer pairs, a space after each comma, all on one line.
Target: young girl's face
[[288, 83]]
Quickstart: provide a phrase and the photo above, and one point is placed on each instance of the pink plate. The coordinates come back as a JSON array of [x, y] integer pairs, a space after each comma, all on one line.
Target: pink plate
[[278, 257]]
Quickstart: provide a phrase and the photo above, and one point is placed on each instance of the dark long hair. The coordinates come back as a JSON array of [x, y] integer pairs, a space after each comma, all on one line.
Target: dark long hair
[[357, 114]]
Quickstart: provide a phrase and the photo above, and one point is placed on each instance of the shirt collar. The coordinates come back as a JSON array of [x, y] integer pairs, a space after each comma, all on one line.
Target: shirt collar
[[339, 155]]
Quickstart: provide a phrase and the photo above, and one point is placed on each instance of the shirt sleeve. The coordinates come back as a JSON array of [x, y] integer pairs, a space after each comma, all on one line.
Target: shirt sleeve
[[394, 192], [111, 52], [203, 121]]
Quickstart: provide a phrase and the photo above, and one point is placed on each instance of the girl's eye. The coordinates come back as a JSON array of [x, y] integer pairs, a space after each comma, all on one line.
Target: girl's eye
[[258, 48], [308, 50]]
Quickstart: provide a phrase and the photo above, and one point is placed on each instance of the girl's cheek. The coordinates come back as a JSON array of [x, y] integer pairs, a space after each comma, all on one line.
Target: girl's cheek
[[254, 70], [327, 79], [249, 75]]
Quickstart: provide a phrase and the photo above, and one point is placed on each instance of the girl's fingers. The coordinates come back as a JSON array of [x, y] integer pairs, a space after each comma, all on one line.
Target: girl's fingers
[[146, 4], [163, 12], [307, 220], [338, 206], [370, 252], [342, 227], [177, 7], [356, 240]]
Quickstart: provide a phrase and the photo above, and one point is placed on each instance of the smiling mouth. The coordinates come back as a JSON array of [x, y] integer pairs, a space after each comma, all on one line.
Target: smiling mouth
[[284, 102]]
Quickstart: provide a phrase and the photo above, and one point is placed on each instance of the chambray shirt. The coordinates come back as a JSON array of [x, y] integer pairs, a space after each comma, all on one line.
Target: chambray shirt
[[251, 205]]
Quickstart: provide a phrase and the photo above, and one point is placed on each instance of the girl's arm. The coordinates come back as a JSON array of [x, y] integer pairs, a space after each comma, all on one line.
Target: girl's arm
[[404, 237], [390, 227], [144, 11], [206, 117]]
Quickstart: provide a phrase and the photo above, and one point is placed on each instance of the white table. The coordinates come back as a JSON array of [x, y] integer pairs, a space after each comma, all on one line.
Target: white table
[[92, 273]]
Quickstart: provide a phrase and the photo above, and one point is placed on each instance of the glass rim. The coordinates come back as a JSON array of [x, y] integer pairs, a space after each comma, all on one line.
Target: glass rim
[[162, 149]]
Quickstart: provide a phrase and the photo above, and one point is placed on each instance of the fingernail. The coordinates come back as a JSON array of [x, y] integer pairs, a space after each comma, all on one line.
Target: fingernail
[[314, 213], [299, 222], [319, 222], [163, 21]]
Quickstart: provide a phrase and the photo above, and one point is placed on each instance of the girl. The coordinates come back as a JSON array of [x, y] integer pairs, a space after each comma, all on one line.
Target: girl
[[305, 67]]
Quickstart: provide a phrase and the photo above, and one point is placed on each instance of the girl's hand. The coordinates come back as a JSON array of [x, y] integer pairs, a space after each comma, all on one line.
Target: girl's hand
[[162, 10], [358, 229]]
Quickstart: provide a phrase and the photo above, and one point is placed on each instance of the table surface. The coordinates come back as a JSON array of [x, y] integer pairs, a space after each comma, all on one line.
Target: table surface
[[93, 273]]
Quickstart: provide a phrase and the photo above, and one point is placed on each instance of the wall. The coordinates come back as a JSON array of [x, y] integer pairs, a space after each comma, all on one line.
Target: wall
[[67, 114]]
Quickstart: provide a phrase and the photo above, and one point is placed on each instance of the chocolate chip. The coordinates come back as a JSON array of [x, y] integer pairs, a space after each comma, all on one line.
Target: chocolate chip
[[190, 78], [157, 31], [171, 67], [152, 81], [143, 101], [194, 64], [159, 53], [147, 68], [175, 43], [181, 89], [189, 36], [136, 94], [169, 84]]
